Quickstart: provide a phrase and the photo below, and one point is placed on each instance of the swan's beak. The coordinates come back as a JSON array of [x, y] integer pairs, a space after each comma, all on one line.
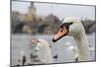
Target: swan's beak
[[34, 41], [61, 33]]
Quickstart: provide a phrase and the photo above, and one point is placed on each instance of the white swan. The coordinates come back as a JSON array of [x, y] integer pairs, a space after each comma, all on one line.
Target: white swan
[[22, 58], [73, 27], [69, 46], [43, 50]]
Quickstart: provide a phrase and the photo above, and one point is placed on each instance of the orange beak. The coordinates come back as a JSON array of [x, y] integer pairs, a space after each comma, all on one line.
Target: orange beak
[[34, 41], [61, 33]]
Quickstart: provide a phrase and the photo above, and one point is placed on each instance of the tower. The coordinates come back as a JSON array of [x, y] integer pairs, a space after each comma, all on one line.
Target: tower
[[32, 12]]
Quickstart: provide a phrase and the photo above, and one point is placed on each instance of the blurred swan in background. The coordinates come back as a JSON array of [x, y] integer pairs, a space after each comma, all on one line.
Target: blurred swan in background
[[22, 59], [73, 27], [42, 50], [69, 46]]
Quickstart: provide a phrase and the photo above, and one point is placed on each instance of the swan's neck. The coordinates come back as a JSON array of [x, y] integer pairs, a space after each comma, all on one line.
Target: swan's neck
[[83, 46], [45, 52]]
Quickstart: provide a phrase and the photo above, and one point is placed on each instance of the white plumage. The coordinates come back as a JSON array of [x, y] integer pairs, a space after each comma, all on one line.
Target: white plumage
[[75, 28], [43, 51]]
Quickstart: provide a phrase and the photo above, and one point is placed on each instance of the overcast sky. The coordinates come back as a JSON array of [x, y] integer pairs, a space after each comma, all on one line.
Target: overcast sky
[[60, 10]]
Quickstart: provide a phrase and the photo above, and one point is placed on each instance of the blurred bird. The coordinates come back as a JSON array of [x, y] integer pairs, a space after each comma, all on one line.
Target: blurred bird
[[43, 50], [73, 48], [22, 59]]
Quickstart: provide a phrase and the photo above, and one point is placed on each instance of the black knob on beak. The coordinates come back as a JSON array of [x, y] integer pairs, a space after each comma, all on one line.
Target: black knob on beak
[[54, 40]]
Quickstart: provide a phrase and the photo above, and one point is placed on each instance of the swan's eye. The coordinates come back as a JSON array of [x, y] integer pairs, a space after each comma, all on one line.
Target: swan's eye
[[61, 26]]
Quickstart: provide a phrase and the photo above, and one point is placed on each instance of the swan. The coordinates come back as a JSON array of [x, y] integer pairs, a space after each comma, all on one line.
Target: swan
[[72, 26], [69, 46], [42, 50], [22, 58]]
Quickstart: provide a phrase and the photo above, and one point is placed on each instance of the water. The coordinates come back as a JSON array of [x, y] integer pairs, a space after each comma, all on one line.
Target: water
[[21, 42]]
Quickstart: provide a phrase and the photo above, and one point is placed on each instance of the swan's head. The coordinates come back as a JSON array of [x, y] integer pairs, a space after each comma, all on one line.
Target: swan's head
[[36, 41], [40, 43], [68, 27]]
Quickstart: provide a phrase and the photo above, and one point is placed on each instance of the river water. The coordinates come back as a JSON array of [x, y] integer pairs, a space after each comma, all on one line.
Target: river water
[[21, 42]]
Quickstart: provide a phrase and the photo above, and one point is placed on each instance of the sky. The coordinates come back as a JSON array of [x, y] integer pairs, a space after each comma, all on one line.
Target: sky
[[60, 10]]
